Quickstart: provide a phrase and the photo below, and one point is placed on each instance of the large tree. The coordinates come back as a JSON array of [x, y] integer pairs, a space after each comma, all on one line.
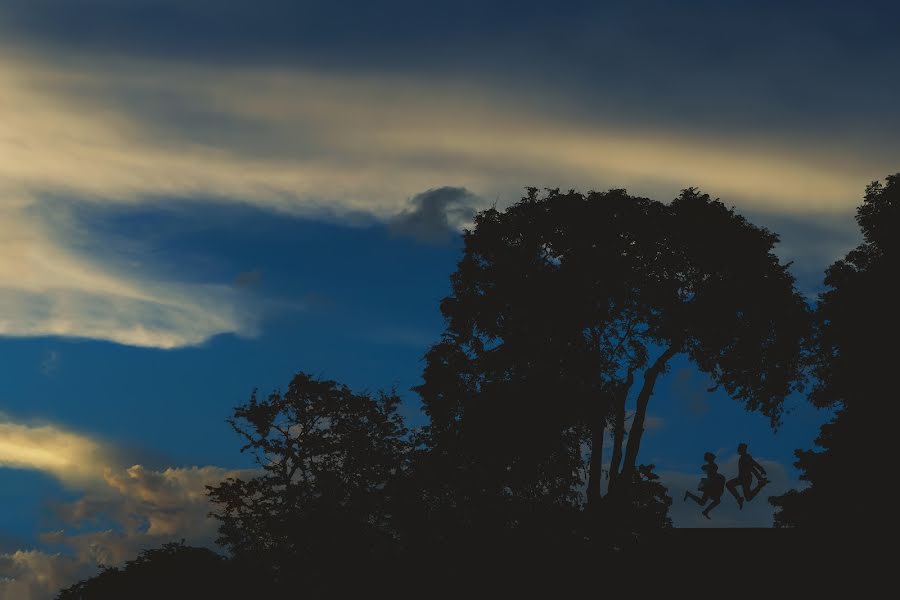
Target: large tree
[[858, 330], [565, 305], [323, 502]]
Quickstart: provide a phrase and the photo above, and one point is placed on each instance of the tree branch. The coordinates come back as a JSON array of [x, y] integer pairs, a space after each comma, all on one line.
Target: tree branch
[[619, 430], [640, 415]]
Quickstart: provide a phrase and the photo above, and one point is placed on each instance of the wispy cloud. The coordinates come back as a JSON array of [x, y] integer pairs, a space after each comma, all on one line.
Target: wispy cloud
[[50, 362], [134, 132], [108, 129], [70, 457]]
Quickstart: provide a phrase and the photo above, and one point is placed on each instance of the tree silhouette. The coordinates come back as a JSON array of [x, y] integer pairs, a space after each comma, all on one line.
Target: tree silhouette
[[330, 459], [858, 329], [559, 305], [564, 308], [172, 571]]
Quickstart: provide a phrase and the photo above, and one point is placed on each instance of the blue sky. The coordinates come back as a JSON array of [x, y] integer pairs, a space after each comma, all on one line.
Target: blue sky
[[199, 199]]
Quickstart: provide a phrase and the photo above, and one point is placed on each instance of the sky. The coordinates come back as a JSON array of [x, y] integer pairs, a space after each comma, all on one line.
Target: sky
[[199, 199]]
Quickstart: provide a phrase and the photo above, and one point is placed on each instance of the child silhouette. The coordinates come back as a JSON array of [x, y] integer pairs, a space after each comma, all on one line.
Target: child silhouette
[[712, 486], [747, 470]]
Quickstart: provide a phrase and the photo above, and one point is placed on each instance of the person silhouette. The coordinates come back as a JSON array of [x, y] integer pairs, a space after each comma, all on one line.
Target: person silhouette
[[712, 486], [747, 470]]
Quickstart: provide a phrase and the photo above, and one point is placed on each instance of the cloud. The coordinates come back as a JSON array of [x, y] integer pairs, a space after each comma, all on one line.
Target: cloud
[[50, 362], [350, 141], [811, 243], [140, 508], [49, 286], [614, 57], [121, 511], [70, 457], [173, 500], [36, 575], [135, 132], [248, 279], [147, 508], [436, 214], [653, 422]]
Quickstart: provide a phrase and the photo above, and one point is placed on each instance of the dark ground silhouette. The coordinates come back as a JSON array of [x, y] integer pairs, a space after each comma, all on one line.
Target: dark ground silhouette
[[765, 562]]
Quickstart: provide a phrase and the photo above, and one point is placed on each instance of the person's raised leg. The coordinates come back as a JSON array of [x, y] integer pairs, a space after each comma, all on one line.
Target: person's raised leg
[[751, 494], [732, 487], [713, 504], [696, 498]]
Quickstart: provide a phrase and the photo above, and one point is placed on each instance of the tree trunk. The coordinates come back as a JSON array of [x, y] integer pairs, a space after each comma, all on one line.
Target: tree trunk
[[640, 414], [619, 431], [595, 469]]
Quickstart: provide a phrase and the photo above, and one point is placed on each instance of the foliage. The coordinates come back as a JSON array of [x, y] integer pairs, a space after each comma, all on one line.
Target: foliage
[[560, 301], [858, 329], [330, 460], [172, 571]]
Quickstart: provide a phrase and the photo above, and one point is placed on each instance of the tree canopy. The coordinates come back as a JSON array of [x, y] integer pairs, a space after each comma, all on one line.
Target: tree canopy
[[172, 571], [329, 459], [858, 328], [562, 300]]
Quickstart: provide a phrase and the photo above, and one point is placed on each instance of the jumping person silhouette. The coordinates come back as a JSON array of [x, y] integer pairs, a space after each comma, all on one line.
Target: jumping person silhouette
[[712, 486], [747, 469]]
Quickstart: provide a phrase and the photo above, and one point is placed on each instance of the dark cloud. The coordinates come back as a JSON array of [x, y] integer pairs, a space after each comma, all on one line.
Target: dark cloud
[[284, 30], [811, 243], [248, 279], [436, 214], [741, 66]]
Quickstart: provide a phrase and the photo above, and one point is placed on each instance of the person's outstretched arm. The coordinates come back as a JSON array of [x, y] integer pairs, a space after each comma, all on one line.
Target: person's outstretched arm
[[758, 469]]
